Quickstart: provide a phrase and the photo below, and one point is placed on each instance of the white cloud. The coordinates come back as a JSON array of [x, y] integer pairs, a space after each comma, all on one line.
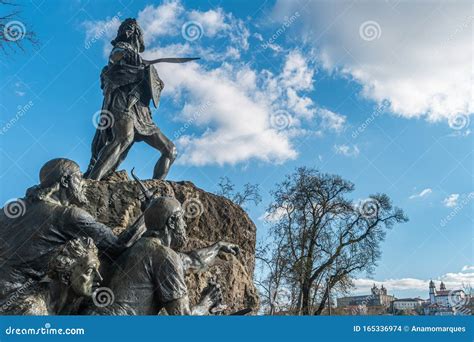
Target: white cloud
[[212, 21], [100, 31], [423, 193], [297, 74], [451, 200], [258, 36], [421, 61], [156, 21], [161, 20], [330, 120], [455, 280], [364, 284], [346, 150], [274, 47], [458, 279], [301, 105], [238, 112], [236, 121], [274, 216]]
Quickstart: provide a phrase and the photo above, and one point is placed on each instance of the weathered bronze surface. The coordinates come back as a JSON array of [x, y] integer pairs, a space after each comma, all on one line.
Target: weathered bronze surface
[[57, 258], [129, 83]]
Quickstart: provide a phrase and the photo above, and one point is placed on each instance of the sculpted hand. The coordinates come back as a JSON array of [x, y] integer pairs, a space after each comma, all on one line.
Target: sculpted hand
[[211, 297], [227, 247]]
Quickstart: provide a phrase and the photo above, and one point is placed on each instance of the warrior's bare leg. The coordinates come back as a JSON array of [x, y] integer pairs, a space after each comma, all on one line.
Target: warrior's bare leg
[[112, 154], [168, 153]]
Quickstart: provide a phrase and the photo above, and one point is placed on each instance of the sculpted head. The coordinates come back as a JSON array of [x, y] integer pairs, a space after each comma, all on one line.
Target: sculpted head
[[165, 216], [130, 32], [63, 175], [76, 264]]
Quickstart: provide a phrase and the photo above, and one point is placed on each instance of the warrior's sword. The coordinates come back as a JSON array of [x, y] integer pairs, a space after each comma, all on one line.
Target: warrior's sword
[[170, 60], [147, 193]]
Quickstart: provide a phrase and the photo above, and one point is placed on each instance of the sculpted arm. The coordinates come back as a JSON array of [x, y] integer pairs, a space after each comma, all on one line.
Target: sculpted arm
[[171, 288], [82, 223], [126, 58], [116, 55], [200, 260]]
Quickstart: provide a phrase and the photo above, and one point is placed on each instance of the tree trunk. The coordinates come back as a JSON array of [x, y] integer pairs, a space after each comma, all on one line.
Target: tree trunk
[[305, 297], [322, 305], [298, 303]]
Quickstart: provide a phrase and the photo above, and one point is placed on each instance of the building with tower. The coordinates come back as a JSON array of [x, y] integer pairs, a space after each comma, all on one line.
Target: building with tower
[[444, 302], [378, 297]]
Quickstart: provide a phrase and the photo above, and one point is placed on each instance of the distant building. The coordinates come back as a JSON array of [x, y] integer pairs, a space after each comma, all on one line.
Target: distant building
[[378, 297], [445, 302], [405, 304]]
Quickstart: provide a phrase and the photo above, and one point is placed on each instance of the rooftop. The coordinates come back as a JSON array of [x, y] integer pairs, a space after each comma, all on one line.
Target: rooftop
[[409, 300]]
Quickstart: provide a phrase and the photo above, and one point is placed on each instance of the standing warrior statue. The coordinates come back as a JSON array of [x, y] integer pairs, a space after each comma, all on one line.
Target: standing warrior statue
[[129, 83]]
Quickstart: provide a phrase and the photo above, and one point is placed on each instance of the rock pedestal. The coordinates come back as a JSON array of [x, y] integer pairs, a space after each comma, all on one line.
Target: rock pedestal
[[210, 218]]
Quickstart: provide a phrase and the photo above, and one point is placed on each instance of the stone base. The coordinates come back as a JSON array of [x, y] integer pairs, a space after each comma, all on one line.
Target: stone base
[[210, 218]]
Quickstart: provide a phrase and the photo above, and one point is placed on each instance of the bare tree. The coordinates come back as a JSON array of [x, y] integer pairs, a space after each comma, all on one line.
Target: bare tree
[[324, 237], [250, 192], [13, 30], [275, 295]]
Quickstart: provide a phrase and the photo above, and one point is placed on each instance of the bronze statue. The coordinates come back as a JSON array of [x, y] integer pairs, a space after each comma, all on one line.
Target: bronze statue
[[49, 255], [52, 218], [150, 274], [129, 83], [72, 275]]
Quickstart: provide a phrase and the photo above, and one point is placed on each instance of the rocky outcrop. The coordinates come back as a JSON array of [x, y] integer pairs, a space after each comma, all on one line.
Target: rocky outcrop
[[209, 217]]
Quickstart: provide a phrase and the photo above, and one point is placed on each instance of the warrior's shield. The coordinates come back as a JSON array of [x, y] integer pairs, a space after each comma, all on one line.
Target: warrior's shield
[[155, 85]]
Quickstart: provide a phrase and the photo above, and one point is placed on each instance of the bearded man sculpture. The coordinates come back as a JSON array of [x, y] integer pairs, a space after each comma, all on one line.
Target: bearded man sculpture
[[150, 274], [52, 217], [129, 83]]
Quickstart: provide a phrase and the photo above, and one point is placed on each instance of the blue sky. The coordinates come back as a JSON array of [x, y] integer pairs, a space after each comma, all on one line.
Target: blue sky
[[379, 93]]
